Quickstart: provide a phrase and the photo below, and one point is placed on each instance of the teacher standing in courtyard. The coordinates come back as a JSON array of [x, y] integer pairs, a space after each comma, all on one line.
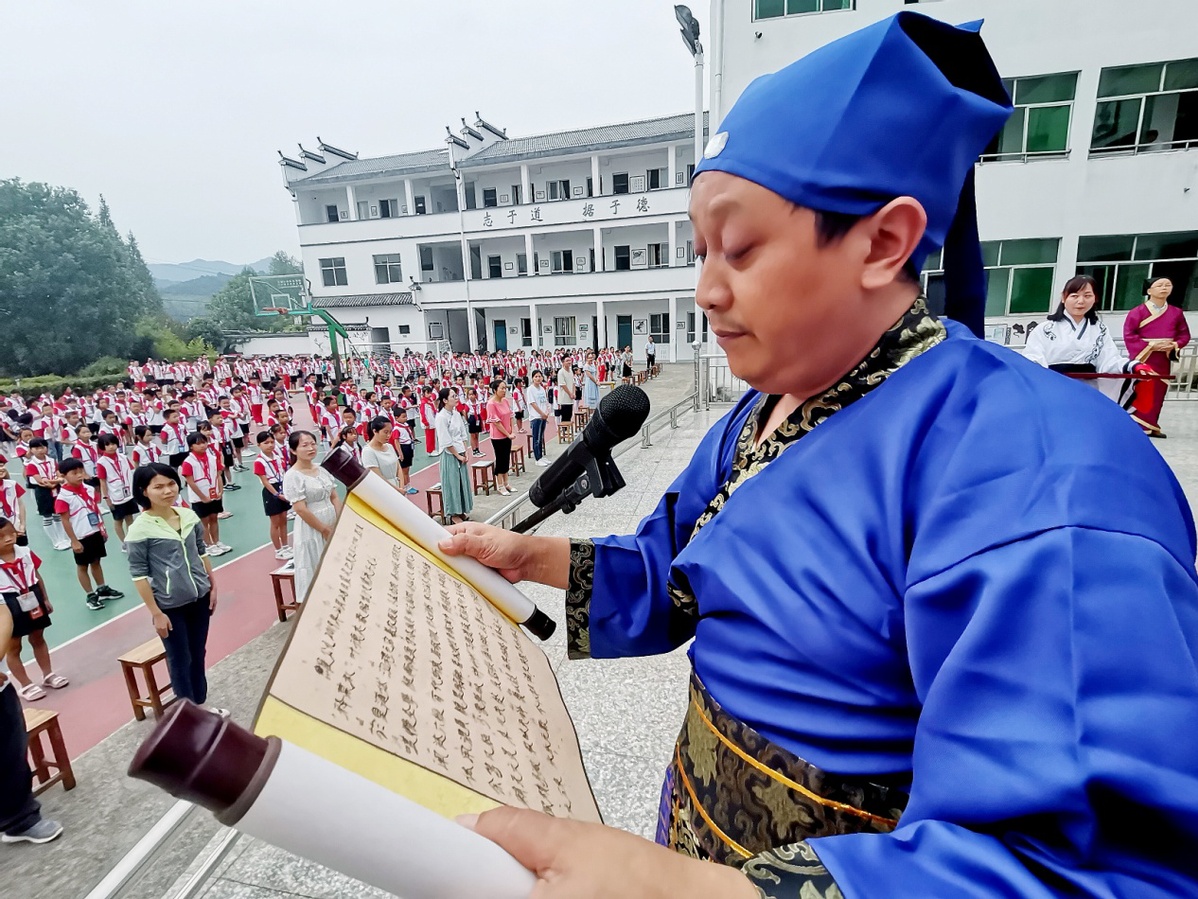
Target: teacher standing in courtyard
[[1153, 333], [943, 600]]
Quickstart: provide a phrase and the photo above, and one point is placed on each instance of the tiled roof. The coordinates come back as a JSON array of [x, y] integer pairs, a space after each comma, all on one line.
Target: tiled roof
[[381, 166], [626, 134], [584, 140], [403, 298]]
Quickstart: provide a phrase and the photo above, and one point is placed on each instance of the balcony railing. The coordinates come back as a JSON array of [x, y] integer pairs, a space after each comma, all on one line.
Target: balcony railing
[[563, 285]]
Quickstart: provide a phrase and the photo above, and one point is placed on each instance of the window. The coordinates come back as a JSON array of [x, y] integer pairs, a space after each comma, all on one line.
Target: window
[[658, 178], [363, 210], [773, 9], [659, 327], [516, 201], [1040, 123], [690, 252], [387, 269], [1020, 275], [421, 209], [426, 260], [1121, 264], [490, 197], [525, 332], [690, 327], [331, 213], [561, 261], [522, 264], [494, 266], [563, 330], [1146, 108], [404, 330], [619, 183], [558, 190], [659, 255], [623, 259], [591, 187], [388, 209], [332, 271]]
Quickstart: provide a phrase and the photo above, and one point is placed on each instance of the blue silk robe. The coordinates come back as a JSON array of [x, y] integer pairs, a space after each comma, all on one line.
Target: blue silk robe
[[982, 574]]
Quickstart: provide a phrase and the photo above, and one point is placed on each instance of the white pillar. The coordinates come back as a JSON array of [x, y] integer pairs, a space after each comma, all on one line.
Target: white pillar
[[532, 267], [598, 187], [526, 189], [672, 231], [352, 201], [600, 325], [409, 196], [535, 326], [673, 332], [672, 168], [599, 265]]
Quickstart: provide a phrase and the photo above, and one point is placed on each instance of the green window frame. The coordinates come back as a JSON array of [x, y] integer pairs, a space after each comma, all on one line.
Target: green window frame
[[1020, 274], [1121, 264], [777, 9], [1039, 126], [1146, 108]]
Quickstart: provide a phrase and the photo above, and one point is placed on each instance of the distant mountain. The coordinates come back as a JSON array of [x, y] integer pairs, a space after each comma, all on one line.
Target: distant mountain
[[180, 272]]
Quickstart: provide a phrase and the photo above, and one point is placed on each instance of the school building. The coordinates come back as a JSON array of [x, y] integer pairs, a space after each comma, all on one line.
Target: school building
[[1096, 172], [570, 239]]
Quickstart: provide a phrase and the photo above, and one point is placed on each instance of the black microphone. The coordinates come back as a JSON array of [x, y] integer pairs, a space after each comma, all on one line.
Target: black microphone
[[619, 416]]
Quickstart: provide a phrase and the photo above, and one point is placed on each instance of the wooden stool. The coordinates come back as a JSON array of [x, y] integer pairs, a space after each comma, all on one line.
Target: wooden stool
[[565, 432], [277, 579], [37, 723], [529, 437], [143, 658], [482, 476], [581, 417], [518, 460], [439, 513]]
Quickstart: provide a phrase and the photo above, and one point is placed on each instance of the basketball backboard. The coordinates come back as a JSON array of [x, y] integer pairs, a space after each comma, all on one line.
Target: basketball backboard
[[272, 293]]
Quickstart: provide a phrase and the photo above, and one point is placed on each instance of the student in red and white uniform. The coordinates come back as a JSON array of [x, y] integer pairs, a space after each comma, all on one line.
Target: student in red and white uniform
[[200, 470], [403, 439], [222, 432], [88, 453], [146, 448], [254, 392], [11, 505], [41, 473], [110, 424], [174, 437], [428, 416], [78, 508], [115, 473], [23, 591], [270, 467], [239, 404]]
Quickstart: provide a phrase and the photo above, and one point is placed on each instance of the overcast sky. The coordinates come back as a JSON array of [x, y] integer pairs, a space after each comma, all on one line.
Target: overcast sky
[[174, 110]]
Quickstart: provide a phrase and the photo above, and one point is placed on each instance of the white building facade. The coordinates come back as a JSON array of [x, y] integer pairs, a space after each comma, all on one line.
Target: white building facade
[[1097, 171], [572, 239]]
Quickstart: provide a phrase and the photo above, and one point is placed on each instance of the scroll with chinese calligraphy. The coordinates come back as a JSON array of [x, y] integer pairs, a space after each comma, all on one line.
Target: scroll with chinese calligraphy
[[400, 671]]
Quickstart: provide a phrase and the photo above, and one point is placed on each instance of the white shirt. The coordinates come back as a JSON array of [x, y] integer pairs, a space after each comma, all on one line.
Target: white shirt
[[117, 472], [451, 431]]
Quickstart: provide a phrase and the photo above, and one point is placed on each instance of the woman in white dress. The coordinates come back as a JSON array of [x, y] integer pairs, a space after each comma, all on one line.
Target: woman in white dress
[[313, 495], [1074, 340]]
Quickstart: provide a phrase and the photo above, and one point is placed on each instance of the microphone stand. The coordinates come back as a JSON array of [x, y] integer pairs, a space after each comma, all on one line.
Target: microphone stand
[[600, 479]]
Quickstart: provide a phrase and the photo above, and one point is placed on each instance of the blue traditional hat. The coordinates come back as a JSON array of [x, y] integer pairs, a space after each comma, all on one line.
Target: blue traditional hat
[[903, 107]]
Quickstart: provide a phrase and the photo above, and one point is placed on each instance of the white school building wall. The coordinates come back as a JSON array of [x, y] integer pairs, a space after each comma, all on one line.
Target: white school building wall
[[1141, 183]]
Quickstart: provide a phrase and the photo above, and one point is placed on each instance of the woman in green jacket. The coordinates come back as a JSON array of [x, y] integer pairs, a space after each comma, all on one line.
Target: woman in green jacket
[[173, 575]]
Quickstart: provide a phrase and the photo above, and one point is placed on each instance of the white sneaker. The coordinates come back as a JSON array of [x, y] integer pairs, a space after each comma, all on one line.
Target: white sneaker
[[287, 551], [541, 463], [279, 554]]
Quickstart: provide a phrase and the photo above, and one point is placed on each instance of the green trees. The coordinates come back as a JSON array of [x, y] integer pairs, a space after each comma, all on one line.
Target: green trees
[[232, 307], [71, 290]]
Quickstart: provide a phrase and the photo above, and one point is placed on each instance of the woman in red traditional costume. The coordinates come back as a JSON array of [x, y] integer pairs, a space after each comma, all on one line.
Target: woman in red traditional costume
[[1153, 333]]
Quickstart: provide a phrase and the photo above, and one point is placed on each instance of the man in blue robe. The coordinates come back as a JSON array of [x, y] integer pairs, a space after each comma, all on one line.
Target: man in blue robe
[[943, 601]]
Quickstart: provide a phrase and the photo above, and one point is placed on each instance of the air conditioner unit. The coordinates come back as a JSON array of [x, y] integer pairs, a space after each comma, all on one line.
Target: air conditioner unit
[[580, 263], [343, 215]]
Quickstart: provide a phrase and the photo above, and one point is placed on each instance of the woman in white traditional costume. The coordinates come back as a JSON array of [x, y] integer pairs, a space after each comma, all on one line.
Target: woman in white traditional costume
[[1074, 340], [312, 493]]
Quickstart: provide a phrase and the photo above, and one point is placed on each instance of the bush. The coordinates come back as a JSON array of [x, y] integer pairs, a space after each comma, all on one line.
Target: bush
[[109, 366], [31, 388]]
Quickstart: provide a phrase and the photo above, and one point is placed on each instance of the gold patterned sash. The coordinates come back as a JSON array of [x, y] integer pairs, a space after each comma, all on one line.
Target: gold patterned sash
[[730, 793]]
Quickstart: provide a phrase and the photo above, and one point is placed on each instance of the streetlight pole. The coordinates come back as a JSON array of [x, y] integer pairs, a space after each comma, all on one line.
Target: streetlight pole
[[689, 27]]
